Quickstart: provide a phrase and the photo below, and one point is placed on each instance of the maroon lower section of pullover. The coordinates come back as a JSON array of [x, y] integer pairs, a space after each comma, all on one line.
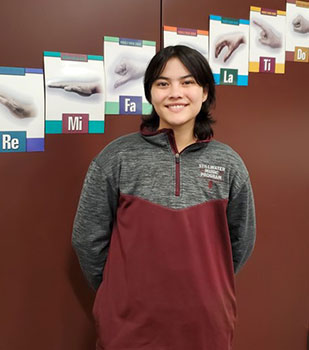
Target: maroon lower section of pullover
[[168, 283]]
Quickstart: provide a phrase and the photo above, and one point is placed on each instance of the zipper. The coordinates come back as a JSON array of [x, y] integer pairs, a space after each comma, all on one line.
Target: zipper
[[172, 142], [177, 163], [177, 178]]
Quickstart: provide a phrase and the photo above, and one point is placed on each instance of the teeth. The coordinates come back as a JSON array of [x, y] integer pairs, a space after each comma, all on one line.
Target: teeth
[[176, 106]]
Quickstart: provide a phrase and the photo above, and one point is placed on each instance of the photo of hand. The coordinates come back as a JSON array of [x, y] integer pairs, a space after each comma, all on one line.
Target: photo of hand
[[268, 35], [300, 24], [128, 69], [297, 32], [81, 88], [17, 108], [22, 108], [230, 40]]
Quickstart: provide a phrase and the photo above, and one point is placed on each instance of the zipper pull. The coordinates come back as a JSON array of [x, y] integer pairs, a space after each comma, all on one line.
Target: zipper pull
[[177, 158]]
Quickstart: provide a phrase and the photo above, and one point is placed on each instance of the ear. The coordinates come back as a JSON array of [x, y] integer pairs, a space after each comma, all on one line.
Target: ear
[[205, 94]]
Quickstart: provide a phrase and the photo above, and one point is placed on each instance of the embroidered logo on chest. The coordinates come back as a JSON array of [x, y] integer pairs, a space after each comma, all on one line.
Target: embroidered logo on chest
[[212, 173]]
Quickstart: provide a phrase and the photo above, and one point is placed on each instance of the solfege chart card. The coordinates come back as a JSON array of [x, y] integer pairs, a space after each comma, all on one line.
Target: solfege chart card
[[229, 50], [125, 63], [21, 109], [195, 38], [267, 40], [297, 31], [75, 93]]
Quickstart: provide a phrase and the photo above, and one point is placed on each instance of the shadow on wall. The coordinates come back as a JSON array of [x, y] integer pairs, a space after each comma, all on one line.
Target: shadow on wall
[[84, 294]]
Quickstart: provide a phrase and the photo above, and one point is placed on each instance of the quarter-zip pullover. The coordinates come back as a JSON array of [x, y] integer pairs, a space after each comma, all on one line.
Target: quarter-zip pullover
[[165, 232]]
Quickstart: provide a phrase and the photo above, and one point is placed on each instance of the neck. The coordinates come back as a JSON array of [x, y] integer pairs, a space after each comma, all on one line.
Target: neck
[[183, 136], [184, 139]]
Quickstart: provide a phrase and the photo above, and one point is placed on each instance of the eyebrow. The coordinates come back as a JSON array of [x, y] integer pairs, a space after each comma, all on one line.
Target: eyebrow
[[183, 77]]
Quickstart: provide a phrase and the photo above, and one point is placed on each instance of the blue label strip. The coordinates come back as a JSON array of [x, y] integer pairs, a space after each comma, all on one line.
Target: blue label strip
[[215, 18], [229, 20], [12, 71], [244, 21], [35, 145], [216, 78], [242, 80], [13, 141], [34, 70]]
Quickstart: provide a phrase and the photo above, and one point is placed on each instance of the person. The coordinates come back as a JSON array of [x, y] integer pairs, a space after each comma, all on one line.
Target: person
[[165, 219]]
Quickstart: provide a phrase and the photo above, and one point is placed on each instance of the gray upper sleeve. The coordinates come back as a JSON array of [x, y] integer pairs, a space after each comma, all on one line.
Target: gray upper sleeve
[[242, 227], [94, 222]]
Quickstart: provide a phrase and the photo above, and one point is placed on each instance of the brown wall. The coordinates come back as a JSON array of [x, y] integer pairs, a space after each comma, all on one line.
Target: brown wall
[[45, 302]]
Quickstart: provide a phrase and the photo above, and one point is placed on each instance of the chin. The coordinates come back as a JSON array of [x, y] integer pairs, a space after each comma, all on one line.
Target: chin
[[178, 124]]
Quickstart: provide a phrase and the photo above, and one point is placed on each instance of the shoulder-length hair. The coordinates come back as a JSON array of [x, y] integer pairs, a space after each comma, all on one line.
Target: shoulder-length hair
[[198, 66]]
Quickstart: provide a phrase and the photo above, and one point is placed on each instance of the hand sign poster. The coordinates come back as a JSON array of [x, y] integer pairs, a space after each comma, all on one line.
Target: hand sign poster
[[195, 38], [21, 109], [74, 93], [267, 40], [125, 64], [297, 31], [229, 50]]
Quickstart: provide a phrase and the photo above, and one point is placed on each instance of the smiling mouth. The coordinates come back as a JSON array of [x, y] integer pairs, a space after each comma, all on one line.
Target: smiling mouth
[[177, 107]]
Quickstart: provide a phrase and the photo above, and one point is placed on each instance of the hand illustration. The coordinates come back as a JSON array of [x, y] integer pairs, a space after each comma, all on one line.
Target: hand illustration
[[301, 24], [232, 41], [268, 36], [19, 109], [128, 70], [81, 88]]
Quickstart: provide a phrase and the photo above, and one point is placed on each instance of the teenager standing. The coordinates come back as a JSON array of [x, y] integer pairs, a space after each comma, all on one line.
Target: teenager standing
[[165, 219]]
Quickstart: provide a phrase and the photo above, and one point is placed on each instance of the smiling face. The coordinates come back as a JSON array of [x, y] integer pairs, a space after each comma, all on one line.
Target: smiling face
[[176, 96]]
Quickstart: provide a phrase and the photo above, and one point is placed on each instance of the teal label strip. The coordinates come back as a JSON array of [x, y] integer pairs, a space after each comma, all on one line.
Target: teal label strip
[[96, 126], [111, 108], [53, 127], [113, 39], [95, 58], [52, 54], [146, 108], [232, 21], [149, 43]]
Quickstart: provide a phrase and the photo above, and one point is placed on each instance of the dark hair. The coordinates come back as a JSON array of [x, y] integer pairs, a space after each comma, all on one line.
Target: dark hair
[[198, 66]]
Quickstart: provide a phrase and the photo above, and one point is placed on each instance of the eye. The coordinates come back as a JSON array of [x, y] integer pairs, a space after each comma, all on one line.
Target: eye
[[161, 83], [189, 82]]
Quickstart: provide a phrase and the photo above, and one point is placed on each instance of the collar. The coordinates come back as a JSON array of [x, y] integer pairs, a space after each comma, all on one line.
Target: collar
[[166, 136]]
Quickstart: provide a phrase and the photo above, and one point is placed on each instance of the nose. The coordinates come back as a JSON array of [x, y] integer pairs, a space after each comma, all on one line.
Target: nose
[[175, 91]]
